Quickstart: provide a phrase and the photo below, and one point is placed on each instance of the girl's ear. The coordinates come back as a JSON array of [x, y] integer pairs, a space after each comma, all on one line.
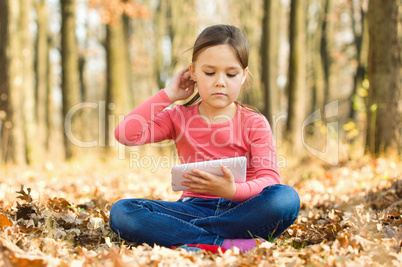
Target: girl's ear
[[245, 71], [191, 70]]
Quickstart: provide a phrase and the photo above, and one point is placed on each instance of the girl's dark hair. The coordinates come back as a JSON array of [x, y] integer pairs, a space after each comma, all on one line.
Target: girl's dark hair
[[218, 35]]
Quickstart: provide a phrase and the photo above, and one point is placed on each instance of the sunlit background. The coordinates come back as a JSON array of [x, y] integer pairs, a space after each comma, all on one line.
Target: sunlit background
[[309, 73]]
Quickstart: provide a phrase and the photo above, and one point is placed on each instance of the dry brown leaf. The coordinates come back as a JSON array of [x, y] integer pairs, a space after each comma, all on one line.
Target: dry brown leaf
[[58, 204], [23, 195], [28, 261], [25, 211], [19, 258], [5, 221], [104, 216]]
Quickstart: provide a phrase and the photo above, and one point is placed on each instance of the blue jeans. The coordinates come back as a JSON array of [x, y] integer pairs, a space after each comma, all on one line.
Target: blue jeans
[[205, 221]]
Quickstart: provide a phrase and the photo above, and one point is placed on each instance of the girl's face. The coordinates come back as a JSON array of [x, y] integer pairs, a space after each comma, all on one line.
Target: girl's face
[[219, 77]]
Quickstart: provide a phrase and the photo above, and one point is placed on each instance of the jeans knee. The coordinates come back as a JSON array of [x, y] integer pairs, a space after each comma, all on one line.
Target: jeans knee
[[123, 220], [116, 214], [293, 200], [121, 213], [284, 198]]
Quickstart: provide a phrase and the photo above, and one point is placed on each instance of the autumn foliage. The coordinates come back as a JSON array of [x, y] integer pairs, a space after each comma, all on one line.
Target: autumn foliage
[[109, 9], [350, 215]]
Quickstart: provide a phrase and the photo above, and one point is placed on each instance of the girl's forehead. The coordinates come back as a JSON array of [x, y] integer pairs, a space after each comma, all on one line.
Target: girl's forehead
[[217, 49], [218, 54]]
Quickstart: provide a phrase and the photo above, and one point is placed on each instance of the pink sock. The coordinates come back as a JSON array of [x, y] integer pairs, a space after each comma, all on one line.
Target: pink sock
[[243, 244]]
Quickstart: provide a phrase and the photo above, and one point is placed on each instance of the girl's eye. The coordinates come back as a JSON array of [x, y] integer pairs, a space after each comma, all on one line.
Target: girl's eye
[[230, 75]]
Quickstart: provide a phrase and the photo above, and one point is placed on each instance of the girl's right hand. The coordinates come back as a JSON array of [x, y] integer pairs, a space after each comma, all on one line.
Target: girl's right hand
[[181, 86]]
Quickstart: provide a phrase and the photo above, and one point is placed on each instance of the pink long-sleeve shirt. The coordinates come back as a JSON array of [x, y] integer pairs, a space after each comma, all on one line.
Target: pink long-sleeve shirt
[[246, 134]]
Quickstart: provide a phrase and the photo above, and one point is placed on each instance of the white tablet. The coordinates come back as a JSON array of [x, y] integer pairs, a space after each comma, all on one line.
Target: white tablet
[[237, 165]]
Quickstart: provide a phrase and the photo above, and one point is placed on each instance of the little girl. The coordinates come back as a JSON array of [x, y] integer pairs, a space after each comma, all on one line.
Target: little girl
[[214, 210]]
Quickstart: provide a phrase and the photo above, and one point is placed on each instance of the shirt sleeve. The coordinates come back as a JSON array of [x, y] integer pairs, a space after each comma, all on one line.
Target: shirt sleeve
[[263, 158], [147, 123]]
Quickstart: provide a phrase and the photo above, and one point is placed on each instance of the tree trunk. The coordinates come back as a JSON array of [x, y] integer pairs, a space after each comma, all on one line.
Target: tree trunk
[[160, 22], [269, 59], [253, 91], [13, 139], [28, 88], [4, 89], [128, 35], [297, 75], [117, 79], [42, 76], [325, 48], [316, 82], [384, 66], [360, 32], [70, 82]]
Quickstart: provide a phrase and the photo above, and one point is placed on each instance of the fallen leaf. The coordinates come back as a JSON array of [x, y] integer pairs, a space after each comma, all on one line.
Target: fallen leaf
[[28, 261], [5, 221], [58, 204], [23, 195]]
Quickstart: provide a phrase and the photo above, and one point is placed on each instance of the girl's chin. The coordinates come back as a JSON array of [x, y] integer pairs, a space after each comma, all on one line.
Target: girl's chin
[[218, 103]]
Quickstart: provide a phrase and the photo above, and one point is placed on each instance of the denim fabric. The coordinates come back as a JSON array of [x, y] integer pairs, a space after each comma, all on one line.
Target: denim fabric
[[205, 221]]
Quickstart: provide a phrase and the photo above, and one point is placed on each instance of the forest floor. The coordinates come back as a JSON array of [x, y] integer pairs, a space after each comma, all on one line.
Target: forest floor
[[57, 215]]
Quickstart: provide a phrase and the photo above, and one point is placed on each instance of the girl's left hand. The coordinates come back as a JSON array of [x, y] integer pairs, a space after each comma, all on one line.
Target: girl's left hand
[[205, 182]]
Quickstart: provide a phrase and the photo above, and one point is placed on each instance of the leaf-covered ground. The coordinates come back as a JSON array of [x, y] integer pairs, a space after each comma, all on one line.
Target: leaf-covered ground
[[57, 215]]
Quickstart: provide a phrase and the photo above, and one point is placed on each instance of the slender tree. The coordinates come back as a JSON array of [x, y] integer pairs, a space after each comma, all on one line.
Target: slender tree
[[161, 31], [384, 66], [12, 137], [332, 67], [269, 58], [70, 82], [297, 75], [117, 78], [316, 81], [128, 36], [42, 76], [28, 88], [360, 32], [4, 90]]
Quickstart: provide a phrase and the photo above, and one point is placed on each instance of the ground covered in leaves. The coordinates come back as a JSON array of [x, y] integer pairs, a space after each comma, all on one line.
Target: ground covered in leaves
[[57, 215]]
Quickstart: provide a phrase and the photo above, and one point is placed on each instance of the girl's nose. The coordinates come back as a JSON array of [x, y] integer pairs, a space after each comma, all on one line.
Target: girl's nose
[[220, 82]]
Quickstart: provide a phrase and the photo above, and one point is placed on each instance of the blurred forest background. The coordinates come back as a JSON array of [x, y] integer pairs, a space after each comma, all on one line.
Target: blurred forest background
[[325, 73]]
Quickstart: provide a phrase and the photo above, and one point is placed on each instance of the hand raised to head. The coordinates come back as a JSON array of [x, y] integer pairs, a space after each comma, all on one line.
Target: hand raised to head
[[181, 86]]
